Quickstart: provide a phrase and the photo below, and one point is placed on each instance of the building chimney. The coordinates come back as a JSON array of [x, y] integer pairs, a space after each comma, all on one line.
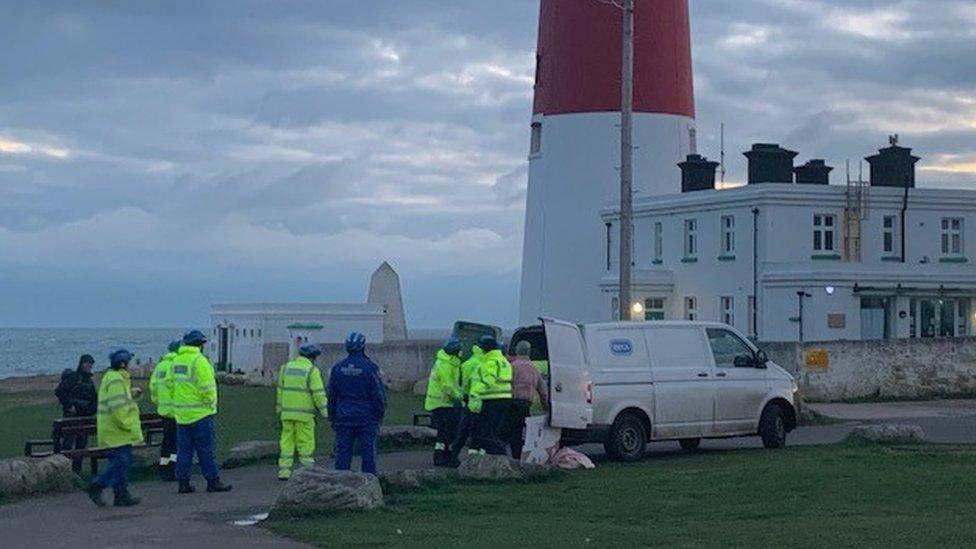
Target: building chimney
[[770, 163], [814, 172], [893, 166], [697, 173]]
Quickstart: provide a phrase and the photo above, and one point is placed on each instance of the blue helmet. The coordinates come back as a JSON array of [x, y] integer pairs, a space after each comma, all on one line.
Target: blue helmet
[[355, 343], [487, 343], [452, 346], [119, 356], [194, 337], [310, 351], [175, 345]]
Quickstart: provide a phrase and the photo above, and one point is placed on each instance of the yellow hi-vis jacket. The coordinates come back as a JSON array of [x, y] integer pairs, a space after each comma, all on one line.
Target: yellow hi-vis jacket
[[194, 386], [493, 380], [117, 423], [469, 369], [301, 393], [160, 386], [443, 387]]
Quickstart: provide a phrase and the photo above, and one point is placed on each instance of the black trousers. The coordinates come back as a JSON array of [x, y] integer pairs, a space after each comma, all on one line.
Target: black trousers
[[75, 443], [490, 426], [517, 412], [445, 421], [167, 450], [464, 431]]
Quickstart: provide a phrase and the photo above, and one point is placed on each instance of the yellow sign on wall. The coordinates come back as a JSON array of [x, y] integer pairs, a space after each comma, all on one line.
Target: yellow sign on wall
[[817, 359]]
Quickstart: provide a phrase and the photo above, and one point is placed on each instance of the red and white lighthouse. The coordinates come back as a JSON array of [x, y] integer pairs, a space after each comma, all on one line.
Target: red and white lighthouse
[[575, 146]]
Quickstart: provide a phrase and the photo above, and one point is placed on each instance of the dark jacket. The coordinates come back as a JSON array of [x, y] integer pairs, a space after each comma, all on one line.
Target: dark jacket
[[76, 393], [356, 395]]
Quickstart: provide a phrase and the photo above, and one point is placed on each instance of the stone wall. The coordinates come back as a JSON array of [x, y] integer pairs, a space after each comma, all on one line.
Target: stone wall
[[402, 362], [888, 369]]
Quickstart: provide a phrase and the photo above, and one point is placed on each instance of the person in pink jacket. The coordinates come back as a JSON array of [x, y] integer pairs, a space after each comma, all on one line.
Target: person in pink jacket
[[526, 383]]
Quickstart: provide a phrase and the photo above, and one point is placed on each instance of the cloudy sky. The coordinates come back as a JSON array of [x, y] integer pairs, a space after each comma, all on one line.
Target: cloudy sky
[[156, 157]]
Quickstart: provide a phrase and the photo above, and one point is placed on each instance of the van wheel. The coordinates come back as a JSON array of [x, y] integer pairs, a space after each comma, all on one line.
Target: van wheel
[[772, 427], [628, 439], [690, 444]]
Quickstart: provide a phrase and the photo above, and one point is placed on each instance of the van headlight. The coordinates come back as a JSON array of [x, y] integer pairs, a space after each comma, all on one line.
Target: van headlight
[[794, 386]]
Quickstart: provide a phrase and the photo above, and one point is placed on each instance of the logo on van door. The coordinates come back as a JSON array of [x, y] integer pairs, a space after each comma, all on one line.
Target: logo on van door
[[621, 347]]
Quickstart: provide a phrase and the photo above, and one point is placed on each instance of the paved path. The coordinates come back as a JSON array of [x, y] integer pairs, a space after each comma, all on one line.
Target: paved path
[[203, 520], [164, 519]]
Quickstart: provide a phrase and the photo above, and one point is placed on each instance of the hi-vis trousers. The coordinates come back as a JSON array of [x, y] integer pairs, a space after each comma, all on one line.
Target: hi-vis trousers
[[296, 437]]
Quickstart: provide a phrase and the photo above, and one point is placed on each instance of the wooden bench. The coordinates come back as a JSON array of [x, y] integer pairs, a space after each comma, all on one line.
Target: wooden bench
[[152, 430]]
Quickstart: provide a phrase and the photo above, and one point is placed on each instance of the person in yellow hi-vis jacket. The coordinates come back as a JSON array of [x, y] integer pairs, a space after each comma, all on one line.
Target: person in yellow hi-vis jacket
[[194, 408], [161, 393], [301, 397], [491, 397], [118, 428]]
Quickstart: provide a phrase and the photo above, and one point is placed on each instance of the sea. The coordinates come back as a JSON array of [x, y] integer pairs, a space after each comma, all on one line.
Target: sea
[[32, 351]]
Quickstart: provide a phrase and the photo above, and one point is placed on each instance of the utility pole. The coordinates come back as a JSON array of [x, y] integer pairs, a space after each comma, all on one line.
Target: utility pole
[[626, 159]]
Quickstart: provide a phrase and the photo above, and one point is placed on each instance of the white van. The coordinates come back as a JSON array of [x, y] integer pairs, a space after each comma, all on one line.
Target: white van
[[627, 383]]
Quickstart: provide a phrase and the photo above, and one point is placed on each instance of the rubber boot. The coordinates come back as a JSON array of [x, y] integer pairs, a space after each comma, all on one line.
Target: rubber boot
[[186, 487], [216, 485], [167, 473], [95, 494], [125, 499]]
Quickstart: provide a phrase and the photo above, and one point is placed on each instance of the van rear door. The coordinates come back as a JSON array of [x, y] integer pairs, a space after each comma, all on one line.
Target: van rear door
[[569, 382], [470, 332]]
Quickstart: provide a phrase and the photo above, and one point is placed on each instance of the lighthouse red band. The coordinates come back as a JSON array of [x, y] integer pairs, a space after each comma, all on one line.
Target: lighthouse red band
[[579, 57]]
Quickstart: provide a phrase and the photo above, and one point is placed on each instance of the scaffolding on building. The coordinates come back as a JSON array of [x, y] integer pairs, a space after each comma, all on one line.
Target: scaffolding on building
[[855, 212]]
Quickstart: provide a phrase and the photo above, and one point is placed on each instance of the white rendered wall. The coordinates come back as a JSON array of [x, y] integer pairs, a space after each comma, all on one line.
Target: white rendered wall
[[786, 263], [575, 174]]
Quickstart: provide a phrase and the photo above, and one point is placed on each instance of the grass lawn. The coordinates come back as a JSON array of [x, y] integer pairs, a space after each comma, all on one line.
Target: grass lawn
[[828, 496], [244, 413]]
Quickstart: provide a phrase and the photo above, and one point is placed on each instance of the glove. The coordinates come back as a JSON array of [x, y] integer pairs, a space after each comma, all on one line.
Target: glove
[[136, 393]]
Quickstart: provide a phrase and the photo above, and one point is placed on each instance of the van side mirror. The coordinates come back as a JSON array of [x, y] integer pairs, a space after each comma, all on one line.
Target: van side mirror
[[744, 361]]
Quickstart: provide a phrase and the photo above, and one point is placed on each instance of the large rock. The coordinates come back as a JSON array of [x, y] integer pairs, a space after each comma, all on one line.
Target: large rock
[[28, 476], [400, 436], [398, 384], [415, 478], [420, 388], [887, 432], [488, 467], [317, 489], [142, 458], [257, 380], [250, 451], [231, 379]]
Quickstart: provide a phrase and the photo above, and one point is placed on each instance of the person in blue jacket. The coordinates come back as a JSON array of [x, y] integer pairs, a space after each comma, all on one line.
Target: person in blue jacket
[[357, 403]]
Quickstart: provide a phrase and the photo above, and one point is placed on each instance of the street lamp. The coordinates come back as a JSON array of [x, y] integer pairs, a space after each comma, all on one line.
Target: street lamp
[[637, 309]]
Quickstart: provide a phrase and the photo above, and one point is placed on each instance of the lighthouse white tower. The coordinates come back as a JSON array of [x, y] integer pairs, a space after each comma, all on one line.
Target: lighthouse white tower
[[575, 146]]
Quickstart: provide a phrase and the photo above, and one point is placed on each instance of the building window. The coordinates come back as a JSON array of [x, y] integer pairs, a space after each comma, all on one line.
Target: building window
[[535, 141], [727, 309], [654, 308], [691, 238], [952, 236], [824, 227], [259, 332], [889, 235], [691, 308], [237, 332], [728, 235], [658, 242]]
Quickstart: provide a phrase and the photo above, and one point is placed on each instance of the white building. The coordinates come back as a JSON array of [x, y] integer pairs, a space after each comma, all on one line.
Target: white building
[[239, 331], [867, 262]]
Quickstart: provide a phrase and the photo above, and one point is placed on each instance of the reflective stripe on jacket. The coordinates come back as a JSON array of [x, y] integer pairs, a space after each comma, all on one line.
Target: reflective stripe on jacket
[[443, 387], [160, 386], [301, 393], [117, 423], [469, 369], [194, 386], [494, 377]]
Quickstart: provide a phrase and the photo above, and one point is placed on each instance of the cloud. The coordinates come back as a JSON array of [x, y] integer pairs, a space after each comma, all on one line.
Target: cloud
[[255, 150]]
